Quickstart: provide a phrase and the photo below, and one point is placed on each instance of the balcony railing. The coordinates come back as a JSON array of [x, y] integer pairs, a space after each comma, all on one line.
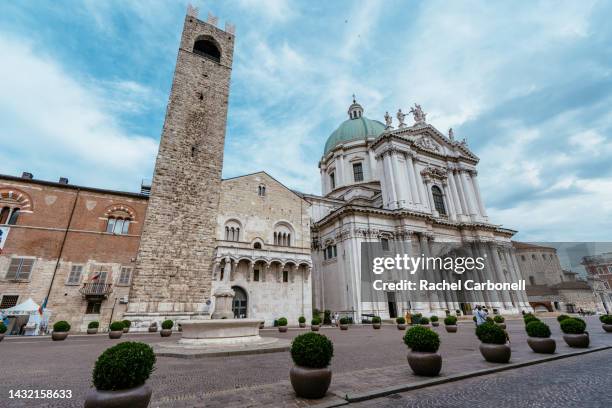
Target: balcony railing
[[96, 289]]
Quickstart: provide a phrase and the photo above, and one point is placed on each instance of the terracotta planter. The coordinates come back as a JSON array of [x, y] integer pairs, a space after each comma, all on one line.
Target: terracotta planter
[[427, 364], [152, 329], [165, 332], [315, 327], [115, 334], [502, 325], [138, 397], [435, 324], [495, 353], [607, 327], [376, 325], [451, 328], [59, 336], [1, 336], [344, 327], [282, 329], [92, 331], [542, 345], [310, 382], [126, 329], [401, 327], [302, 325], [577, 340]]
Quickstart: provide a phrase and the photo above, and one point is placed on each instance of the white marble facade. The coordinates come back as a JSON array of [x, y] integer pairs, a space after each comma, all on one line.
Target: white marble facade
[[412, 186]]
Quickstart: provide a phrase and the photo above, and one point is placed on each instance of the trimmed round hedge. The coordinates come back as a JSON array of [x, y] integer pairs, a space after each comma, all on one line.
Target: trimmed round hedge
[[312, 350], [167, 324], [61, 326], [450, 320], [416, 318], [301, 319], [3, 328], [420, 338], [424, 320], [606, 319], [499, 319], [93, 325], [344, 320], [282, 321], [126, 323], [434, 318], [530, 318], [376, 319], [573, 326], [116, 326], [491, 333], [400, 320], [126, 365], [537, 329], [562, 317], [315, 321]]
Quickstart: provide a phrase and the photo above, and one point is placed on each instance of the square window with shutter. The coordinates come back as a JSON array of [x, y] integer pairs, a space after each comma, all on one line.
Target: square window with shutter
[[20, 269], [8, 301], [74, 278], [125, 276]]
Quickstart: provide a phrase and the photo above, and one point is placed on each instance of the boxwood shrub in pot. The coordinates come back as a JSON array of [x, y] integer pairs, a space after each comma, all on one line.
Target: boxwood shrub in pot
[[344, 323], [3, 330], [315, 324], [434, 321], [311, 375], [401, 323], [539, 338], [92, 327], [302, 321], [423, 357], [529, 317], [60, 330], [166, 330], [574, 332], [115, 330], [562, 317], [376, 322], [153, 327], [120, 376], [424, 321], [493, 345], [606, 322], [126, 325], [416, 318], [450, 323], [282, 325], [500, 321]]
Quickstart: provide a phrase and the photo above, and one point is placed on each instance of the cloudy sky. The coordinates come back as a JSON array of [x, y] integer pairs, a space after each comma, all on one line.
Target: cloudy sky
[[84, 85]]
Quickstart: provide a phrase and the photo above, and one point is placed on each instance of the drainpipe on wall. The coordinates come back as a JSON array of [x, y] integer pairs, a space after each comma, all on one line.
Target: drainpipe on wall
[[61, 251]]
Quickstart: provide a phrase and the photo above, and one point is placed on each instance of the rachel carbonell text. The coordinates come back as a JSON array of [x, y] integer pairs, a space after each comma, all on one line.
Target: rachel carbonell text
[[412, 264], [468, 284]]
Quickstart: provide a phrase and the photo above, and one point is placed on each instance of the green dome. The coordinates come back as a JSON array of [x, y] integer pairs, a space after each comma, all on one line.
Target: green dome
[[354, 129]]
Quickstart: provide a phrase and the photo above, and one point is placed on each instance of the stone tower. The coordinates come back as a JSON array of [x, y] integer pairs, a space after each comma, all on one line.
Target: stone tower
[[173, 271]]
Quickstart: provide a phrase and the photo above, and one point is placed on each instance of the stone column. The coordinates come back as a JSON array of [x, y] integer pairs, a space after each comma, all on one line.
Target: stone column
[[475, 251], [372, 169], [389, 181], [476, 188], [412, 180], [407, 183], [469, 195], [264, 271], [454, 193], [430, 198], [524, 300], [460, 193], [420, 185], [397, 177], [250, 271], [449, 202], [340, 177], [324, 177], [504, 295], [434, 301]]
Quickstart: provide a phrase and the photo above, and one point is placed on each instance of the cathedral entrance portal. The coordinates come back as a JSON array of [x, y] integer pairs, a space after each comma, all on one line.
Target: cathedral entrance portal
[[239, 305]]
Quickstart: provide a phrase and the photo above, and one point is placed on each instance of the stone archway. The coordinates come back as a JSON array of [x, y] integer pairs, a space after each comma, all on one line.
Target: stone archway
[[240, 303]]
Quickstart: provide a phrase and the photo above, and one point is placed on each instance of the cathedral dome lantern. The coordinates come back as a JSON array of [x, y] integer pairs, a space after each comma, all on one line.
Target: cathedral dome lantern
[[355, 127]]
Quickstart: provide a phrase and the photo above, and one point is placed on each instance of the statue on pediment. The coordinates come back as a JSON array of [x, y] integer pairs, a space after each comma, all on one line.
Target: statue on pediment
[[400, 118], [417, 112], [388, 120]]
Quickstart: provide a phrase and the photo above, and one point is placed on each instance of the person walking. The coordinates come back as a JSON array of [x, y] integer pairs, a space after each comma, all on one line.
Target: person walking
[[481, 315]]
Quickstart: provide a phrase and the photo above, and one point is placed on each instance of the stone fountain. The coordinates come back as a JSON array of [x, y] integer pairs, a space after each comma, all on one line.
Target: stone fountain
[[220, 333]]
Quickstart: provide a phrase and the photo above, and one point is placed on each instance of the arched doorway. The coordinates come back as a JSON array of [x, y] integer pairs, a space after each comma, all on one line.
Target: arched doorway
[[239, 305]]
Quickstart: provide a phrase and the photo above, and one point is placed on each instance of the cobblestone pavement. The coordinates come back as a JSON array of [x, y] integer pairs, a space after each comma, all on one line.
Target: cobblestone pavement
[[364, 359], [581, 382]]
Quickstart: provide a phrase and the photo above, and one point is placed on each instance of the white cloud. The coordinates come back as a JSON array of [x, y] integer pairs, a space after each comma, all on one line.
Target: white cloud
[[56, 124]]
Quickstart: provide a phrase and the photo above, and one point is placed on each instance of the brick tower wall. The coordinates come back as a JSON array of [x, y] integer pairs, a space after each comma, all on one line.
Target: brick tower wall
[[173, 268]]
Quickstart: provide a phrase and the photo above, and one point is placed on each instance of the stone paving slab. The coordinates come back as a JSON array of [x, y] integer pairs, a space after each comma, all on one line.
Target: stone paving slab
[[267, 345]]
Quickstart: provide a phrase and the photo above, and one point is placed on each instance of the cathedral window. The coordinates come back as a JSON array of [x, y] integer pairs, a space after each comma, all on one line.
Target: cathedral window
[[330, 252], [232, 231], [125, 276], [438, 200], [357, 172], [531, 280], [75, 275], [20, 269], [285, 276], [261, 191], [257, 245], [283, 232], [256, 275], [332, 180], [9, 215], [384, 243]]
